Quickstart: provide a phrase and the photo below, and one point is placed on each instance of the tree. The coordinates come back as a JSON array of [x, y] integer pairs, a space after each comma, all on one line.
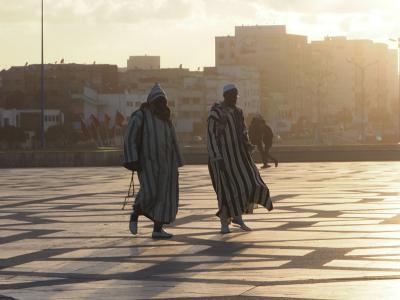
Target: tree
[[344, 116], [63, 135], [12, 136]]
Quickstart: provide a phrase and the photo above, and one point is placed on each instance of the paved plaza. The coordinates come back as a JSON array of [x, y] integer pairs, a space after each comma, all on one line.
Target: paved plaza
[[334, 234]]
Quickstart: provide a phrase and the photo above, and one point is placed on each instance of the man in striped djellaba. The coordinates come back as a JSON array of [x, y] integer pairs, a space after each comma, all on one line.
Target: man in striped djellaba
[[151, 149], [235, 177]]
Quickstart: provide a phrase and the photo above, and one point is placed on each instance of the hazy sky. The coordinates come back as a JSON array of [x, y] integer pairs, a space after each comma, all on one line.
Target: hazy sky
[[181, 31]]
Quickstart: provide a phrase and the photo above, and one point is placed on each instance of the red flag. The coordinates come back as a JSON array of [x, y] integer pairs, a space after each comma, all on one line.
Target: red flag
[[84, 128], [107, 119], [119, 119], [95, 121]]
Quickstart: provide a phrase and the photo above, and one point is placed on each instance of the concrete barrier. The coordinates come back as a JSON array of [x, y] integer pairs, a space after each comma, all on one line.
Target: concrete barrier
[[198, 155]]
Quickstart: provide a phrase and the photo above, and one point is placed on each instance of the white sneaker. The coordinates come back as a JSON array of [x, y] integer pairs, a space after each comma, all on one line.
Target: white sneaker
[[239, 222], [161, 235]]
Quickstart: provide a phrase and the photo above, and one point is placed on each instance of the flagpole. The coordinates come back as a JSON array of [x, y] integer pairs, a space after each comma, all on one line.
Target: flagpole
[[42, 137]]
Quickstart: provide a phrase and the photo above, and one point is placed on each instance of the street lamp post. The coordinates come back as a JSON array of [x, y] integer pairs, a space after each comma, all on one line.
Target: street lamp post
[[42, 137]]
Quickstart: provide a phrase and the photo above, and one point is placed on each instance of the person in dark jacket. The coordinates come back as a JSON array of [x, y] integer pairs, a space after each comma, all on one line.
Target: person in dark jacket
[[261, 135]]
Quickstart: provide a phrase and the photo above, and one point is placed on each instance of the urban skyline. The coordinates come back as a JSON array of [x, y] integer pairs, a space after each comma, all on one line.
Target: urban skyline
[[124, 23]]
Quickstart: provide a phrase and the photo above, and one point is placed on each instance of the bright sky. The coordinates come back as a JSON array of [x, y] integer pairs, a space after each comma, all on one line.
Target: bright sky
[[180, 31]]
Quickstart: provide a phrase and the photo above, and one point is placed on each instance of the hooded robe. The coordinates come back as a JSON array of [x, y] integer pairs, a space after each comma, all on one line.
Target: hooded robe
[[152, 142]]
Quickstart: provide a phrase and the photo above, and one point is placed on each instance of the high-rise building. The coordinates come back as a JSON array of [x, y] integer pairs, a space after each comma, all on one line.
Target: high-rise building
[[278, 56], [144, 62], [326, 82], [354, 76]]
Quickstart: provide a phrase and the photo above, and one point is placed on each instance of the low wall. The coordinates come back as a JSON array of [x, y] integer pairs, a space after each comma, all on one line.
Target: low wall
[[45, 159], [198, 155]]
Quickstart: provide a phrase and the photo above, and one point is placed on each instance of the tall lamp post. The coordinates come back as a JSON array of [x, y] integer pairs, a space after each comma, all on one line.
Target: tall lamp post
[[362, 69], [42, 138]]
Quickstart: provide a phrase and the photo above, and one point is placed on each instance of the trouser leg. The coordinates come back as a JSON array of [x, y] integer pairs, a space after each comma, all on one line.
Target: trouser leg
[[157, 226], [223, 217], [135, 214], [260, 149]]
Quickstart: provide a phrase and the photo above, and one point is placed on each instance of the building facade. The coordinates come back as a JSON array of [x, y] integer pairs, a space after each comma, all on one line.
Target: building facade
[[280, 59], [144, 62]]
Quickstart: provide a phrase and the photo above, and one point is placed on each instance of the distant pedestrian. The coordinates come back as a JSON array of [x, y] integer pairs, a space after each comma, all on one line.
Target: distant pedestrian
[[261, 135], [151, 149], [235, 177]]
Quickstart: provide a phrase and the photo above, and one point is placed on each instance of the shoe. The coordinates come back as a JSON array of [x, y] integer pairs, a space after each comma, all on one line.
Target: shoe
[[224, 227], [133, 227], [276, 164], [161, 235], [265, 167], [238, 221]]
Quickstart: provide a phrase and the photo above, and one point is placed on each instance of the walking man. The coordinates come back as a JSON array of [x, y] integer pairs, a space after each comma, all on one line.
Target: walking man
[[261, 135], [151, 149], [235, 177]]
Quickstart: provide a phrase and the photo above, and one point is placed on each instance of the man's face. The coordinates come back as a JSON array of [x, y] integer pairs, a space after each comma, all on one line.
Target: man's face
[[160, 102], [231, 97]]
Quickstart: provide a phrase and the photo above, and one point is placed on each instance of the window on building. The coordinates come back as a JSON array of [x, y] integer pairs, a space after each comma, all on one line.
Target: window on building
[[196, 100]]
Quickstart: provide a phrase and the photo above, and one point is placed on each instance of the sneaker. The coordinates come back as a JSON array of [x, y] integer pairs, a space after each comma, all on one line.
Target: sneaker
[[240, 223], [161, 235]]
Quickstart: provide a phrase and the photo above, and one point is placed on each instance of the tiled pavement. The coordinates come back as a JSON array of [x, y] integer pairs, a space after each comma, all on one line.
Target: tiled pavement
[[334, 234]]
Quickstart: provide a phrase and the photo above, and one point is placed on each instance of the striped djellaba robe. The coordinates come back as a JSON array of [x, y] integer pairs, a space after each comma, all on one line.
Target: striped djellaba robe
[[153, 143], [240, 187]]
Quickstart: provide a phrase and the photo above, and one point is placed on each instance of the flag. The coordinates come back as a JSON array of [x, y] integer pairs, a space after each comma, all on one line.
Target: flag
[[95, 121], [107, 120], [119, 119], [84, 128]]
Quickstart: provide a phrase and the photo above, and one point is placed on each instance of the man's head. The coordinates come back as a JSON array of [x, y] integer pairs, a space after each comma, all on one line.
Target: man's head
[[158, 104], [230, 94], [259, 118], [156, 93]]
